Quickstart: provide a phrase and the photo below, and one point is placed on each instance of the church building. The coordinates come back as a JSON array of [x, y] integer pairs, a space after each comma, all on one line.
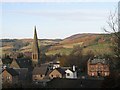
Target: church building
[[35, 50]]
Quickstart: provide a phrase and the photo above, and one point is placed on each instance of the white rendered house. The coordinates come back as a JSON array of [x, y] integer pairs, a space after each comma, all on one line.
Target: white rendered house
[[71, 73]]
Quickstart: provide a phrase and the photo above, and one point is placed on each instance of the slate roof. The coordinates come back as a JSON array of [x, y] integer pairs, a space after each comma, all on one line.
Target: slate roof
[[11, 71], [22, 73], [95, 61], [68, 68], [62, 71], [43, 69], [24, 63], [71, 70], [47, 74]]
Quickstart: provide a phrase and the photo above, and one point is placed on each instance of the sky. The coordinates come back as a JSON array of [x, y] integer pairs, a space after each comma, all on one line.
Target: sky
[[53, 20]]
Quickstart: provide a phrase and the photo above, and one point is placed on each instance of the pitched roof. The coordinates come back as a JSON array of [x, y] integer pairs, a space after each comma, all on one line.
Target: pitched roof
[[20, 63], [43, 69], [95, 61], [68, 68], [14, 64], [11, 71], [24, 63], [62, 71]]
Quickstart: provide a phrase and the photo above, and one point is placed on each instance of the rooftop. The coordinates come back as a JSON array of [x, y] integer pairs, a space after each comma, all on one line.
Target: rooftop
[[103, 61]]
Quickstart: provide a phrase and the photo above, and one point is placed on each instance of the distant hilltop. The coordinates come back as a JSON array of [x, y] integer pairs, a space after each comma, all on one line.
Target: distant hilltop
[[96, 42]]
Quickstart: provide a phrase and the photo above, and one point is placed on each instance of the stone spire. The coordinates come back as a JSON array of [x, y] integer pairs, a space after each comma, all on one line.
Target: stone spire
[[35, 50]]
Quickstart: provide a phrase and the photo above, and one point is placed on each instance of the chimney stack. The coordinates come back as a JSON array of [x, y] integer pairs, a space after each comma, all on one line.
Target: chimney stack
[[73, 67]]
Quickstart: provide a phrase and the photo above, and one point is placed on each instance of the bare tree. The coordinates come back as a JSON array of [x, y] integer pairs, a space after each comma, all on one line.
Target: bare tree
[[113, 28]]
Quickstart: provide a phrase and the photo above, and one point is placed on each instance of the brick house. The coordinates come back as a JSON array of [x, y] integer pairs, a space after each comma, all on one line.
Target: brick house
[[9, 75], [39, 72], [98, 67], [57, 73]]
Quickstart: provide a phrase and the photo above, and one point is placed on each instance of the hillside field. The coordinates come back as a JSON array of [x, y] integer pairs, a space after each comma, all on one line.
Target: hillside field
[[98, 43]]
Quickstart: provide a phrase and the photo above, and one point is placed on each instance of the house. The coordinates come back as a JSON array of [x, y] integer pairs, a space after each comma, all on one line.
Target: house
[[39, 72], [57, 73], [98, 67], [71, 73], [9, 75], [20, 63], [21, 66]]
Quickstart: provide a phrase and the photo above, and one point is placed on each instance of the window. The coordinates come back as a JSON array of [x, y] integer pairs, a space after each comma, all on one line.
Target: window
[[92, 74], [41, 75], [105, 67], [33, 56], [8, 77], [105, 73], [51, 75], [68, 74]]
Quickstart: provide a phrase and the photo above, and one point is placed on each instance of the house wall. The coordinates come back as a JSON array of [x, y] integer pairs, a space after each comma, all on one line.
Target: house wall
[[71, 74], [37, 77], [94, 68], [75, 74], [7, 78], [55, 74]]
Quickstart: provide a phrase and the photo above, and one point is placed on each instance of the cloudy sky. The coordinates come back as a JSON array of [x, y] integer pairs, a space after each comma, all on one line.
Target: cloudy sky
[[53, 19]]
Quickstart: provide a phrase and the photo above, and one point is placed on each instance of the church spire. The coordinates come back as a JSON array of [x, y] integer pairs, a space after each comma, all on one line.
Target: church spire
[[35, 41], [35, 49]]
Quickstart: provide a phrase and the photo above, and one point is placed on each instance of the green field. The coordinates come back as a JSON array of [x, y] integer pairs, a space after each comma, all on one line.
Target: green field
[[98, 43]]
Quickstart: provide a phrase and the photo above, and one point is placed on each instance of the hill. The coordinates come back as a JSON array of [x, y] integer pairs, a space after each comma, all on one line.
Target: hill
[[98, 43]]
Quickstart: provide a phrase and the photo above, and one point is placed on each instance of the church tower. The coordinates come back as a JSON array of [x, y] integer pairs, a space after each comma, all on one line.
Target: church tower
[[35, 50]]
